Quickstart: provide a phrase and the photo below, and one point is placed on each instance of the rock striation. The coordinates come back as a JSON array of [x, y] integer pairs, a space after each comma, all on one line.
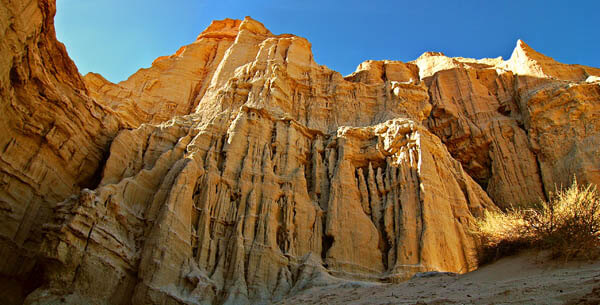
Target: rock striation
[[240, 171], [53, 137]]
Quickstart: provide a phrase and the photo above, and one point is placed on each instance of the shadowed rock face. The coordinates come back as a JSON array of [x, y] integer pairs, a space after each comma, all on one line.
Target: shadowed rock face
[[53, 137], [238, 170]]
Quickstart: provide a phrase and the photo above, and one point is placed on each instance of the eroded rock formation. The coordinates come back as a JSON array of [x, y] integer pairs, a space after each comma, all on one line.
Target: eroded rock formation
[[238, 170], [53, 137]]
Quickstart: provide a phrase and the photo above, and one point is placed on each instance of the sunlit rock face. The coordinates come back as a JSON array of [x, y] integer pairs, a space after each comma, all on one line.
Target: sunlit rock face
[[238, 170]]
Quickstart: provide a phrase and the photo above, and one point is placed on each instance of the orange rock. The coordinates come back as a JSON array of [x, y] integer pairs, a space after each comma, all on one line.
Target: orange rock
[[238, 170]]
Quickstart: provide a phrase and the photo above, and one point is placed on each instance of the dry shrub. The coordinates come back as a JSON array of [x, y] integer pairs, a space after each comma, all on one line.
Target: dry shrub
[[568, 226], [502, 234]]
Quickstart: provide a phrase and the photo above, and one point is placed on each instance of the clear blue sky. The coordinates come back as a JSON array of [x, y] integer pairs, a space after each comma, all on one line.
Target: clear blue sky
[[116, 38]]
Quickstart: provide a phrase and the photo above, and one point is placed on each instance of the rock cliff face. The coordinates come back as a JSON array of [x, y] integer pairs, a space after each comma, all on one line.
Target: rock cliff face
[[53, 137], [238, 170]]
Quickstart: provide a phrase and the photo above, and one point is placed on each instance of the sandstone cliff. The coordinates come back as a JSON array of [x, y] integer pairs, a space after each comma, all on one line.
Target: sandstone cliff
[[239, 170], [53, 137]]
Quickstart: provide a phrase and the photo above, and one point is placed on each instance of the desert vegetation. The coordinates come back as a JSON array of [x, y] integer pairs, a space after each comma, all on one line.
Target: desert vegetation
[[567, 225]]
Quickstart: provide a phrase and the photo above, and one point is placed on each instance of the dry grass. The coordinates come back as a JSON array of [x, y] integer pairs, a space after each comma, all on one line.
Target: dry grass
[[568, 226]]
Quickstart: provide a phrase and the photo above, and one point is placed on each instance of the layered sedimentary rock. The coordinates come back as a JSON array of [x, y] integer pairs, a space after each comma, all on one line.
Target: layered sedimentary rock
[[173, 85], [239, 215], [476, 116], [239, 170], [52, 136], [560, 106], [482, 111]]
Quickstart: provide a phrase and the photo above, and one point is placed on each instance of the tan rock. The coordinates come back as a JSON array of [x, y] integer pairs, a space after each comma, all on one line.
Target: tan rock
[[173, 85], [237, 212], [238, 170], [526, 61], [53, 138], [565, 114], [478, 122]]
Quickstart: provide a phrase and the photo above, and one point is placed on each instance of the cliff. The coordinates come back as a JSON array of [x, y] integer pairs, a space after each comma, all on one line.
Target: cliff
[[238, 170]]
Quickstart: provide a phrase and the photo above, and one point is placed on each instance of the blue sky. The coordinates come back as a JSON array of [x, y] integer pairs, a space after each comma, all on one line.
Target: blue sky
[[116, 38]]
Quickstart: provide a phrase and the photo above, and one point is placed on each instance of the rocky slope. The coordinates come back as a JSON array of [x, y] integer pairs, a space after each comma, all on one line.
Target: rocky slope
[[238, 170]]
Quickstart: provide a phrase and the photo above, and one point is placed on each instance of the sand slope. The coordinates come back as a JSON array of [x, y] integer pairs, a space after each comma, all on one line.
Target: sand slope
[[527, 278]]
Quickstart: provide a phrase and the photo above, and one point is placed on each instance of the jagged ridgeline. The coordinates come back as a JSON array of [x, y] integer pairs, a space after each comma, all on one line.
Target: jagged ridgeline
[[238, 170]]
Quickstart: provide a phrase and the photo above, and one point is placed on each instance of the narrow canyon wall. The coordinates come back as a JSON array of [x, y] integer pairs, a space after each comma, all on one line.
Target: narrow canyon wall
[[53, 137], [238, 170]]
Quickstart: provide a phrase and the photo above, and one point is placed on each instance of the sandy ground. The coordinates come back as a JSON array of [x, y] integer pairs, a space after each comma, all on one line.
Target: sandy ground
[[523, 279]]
